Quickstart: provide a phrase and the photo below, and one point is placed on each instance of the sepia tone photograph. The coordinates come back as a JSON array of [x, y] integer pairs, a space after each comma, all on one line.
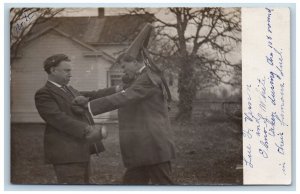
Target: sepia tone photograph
[[126, 96]]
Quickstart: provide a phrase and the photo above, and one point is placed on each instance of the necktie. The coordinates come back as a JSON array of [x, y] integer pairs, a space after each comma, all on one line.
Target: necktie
[[90, 120], [67, 90]]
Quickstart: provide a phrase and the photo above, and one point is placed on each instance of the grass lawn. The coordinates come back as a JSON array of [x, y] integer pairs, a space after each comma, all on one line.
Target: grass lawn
[[208, 152]]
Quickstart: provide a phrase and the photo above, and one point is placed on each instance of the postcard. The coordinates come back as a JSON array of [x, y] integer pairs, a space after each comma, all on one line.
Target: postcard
[[150, 96]]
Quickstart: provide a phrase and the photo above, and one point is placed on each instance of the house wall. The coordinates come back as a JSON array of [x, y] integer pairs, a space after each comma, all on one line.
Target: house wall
[[28, 75]]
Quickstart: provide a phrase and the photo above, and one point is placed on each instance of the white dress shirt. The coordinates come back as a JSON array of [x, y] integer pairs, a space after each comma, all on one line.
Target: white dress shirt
[[54, 83]]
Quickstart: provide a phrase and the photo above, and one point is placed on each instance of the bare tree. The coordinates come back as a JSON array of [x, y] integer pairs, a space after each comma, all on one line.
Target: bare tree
[[197, 43], [22, 20]]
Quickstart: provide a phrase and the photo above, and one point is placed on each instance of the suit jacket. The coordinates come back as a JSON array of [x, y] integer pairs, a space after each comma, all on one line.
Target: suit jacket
[[64, 140], [144, 127]]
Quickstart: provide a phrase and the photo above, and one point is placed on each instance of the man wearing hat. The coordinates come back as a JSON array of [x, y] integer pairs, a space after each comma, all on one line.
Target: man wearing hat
[[145, 134], [70, 135]]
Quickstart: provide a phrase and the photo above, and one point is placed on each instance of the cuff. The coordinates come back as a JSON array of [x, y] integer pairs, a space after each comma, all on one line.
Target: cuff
[[89, 107]]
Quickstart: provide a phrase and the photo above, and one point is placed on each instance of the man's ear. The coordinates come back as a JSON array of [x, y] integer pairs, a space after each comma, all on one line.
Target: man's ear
[[52, 69]]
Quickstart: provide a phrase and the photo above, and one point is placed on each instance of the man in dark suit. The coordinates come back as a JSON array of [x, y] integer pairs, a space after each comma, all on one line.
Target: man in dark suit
[[70, 135], [145, 134]]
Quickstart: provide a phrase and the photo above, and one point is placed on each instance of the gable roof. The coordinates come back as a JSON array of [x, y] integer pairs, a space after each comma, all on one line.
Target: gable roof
[[54, 28], [98, 30], [93, 31]]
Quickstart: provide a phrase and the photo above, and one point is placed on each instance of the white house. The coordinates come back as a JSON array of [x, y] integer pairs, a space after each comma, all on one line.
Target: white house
[[92, 43]]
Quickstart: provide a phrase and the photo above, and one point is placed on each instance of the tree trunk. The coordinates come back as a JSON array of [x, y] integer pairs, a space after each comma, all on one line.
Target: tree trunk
[[186, 90]]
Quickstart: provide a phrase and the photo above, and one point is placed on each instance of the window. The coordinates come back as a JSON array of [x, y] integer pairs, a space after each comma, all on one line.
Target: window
[[115, 78]]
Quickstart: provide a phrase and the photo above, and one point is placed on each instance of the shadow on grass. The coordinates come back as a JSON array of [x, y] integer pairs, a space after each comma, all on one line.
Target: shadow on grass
[[208, 151]]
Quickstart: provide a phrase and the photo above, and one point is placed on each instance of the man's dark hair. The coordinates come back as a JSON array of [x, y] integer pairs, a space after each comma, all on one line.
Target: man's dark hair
[[54, 60]]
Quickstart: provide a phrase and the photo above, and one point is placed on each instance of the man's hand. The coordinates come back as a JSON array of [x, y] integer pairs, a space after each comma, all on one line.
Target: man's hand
[[78, 109], [80, 101], [95, 133]]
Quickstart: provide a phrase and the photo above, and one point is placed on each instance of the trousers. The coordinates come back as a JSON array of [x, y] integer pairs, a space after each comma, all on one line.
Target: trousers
[[157, 174], [72, 173]]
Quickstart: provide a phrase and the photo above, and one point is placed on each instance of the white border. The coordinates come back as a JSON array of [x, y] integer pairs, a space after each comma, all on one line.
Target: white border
[[134, 2]]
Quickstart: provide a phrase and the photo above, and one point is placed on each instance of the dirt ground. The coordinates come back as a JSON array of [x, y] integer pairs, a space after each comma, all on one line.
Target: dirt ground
[[208, 153]]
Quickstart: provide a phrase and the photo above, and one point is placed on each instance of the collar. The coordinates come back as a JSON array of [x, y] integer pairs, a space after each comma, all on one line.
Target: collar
[[54, 83], [141, 69]]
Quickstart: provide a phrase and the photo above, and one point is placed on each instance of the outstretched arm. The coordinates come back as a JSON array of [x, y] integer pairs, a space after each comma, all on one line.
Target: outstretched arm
[[139, 90], [101, 93]]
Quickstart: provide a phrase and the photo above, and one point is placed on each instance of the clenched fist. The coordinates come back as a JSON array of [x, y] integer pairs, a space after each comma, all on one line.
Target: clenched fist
[[78, 109], [80, 101], [95, 133]]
